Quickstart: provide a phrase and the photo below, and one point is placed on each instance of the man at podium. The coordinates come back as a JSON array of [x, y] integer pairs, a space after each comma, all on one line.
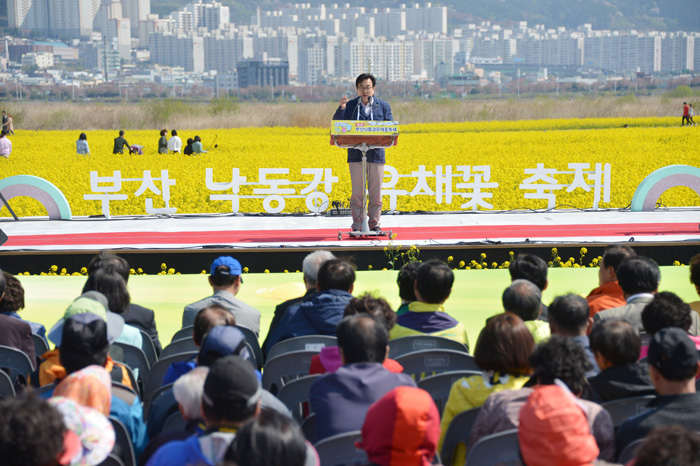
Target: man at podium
[[365, 107]]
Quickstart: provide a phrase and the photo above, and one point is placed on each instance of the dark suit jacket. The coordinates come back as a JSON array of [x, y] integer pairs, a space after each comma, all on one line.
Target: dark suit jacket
[[381, 111], [281, 309], [17, 334], [144, 319]]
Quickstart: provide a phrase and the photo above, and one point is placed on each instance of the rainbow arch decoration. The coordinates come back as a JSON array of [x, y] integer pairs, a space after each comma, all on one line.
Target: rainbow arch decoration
[[37, 188], [660, 181]]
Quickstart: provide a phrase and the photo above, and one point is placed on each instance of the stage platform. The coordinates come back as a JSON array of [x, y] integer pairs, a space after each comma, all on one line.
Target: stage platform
[[442, 230]]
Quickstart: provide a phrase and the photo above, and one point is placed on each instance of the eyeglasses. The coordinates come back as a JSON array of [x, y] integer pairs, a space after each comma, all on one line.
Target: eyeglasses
[[365, 88]]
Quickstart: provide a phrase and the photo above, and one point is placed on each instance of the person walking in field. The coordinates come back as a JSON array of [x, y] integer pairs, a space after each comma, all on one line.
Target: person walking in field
[[5, 145], [7, 125], [690, 115], [120, 143], [163, 142], [81, 145], [686, 111]]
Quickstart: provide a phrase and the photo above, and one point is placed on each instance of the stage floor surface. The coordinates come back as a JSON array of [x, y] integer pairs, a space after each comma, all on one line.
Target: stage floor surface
[[672, 225]]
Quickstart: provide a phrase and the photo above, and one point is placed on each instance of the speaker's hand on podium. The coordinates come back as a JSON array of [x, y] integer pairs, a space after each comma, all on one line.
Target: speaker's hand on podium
[[343, 102]]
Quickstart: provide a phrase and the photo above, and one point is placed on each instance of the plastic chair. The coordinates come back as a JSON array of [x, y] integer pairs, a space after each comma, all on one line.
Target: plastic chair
[[295, 393], [148, 347], [155, 377], [439, 385], [7, 389], [284, 368], [340, 450], [501, 448], [182, 345], [123, 449], [133, 357], [411, 344], [621, 410], [41, 346], [175, 423], [422, 364], [458, 432], [252, 340], [112, 460], [309, 428], [629, 451], [15, 360], [184, 332], [305, 343], [162, 405]]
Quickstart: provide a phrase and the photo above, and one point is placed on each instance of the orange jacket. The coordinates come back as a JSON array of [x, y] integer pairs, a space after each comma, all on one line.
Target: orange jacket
[[604, 297], [51, 369]]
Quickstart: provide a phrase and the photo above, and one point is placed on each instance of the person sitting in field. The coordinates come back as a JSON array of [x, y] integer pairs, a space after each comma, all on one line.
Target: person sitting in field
[[13, 301], [14, 332], [524, 299], [163, 142], [533, 269], [426, 315], [136, 149], [329, 359], [695, 280], [319, 313], [557, 359], [310, 266], [609, 294], [175, 143], [664, 311], [120, 143], [502, 353], [197, 146], [406, 280], [569, 318], [341, 399], [188, 148], [5, 145], [616, 345], [81, 145]]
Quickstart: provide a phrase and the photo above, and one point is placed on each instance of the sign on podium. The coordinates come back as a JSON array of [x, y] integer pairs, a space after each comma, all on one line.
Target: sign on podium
[[376, 134]]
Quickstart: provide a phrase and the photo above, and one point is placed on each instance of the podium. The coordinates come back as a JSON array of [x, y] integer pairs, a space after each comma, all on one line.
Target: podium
[[364, 136]]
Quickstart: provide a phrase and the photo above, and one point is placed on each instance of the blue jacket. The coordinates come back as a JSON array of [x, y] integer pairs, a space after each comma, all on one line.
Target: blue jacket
[[381, 111], [318, 314], [341, 399], [180, 452]]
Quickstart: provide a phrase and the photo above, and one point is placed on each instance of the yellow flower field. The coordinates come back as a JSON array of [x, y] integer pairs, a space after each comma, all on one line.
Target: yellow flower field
[[465, 153]]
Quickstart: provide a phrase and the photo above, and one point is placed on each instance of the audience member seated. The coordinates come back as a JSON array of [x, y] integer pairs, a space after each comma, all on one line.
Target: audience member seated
[[13, 302], [341, 399], [187, 392], [615, 345], [673, 366], [231, 396], [609, 294], [310, 266], [406, 280], [225, 279], [136, 315], [410, 412], [90, 387], [502, 353], [15, 333], [569, 318], [108, 282], [639, 279], [664, 311], [695, 280], [533, 269], [32, 433], [208, 318], [556, 359], [524, 299], [329, 358], [426, 315], [319, 313], [270, 439], [91, 302], [669, 445], [553, 430]]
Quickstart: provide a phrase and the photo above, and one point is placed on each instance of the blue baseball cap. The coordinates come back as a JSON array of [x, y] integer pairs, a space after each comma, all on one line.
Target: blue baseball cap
[[222, 341], [234, 267]]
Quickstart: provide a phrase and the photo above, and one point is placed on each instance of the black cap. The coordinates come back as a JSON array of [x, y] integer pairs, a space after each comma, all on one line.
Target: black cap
[[84, 341], [231, 380], [673, 354]]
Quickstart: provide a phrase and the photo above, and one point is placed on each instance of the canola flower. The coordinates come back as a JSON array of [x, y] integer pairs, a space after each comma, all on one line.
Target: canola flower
[[507, 148]]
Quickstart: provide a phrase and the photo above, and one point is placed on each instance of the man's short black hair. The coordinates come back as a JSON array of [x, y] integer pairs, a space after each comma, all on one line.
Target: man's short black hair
[[669, 445], [523, 298], [106, 259], [570, 313], [221, 279], [336, 274], [365, 77], [362, 338], [638, 274], [616, 340], [561, 358], [121, 132], [614, 255], [31, 431], [406, 280], [666, 310], [434, 281], [529, 267], [13, 301], [695, 270]]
